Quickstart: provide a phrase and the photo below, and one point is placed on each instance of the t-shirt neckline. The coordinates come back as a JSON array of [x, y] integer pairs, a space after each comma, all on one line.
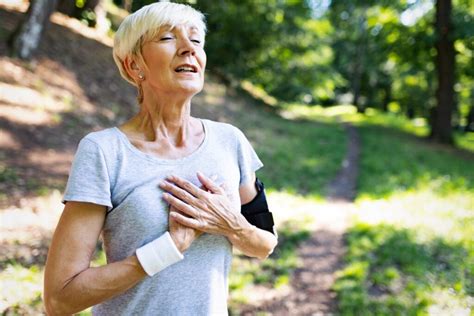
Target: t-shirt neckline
[[123, 137]]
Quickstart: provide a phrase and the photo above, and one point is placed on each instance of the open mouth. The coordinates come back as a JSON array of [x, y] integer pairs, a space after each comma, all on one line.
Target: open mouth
[[186, 68]]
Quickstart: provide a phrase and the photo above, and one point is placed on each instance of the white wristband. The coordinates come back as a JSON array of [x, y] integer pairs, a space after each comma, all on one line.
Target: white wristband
[[158, 254]]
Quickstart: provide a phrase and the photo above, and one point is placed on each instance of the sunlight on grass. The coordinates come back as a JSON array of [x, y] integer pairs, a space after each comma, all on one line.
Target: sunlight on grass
[[258, 93], [411, 251], [348, 113], [21, 289], [286, 206], [465, 140], [450, 216]]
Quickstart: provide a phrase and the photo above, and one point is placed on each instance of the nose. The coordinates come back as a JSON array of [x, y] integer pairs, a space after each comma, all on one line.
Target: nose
[[186, 47]]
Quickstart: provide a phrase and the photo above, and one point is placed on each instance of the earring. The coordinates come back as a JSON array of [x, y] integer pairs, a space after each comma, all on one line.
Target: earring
[[141, 76]]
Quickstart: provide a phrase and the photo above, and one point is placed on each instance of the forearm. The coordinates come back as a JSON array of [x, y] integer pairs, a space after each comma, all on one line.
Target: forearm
[[253, 242], [93, 286]]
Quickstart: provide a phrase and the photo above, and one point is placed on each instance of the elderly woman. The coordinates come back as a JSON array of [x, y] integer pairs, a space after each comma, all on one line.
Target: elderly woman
[[167, 191]]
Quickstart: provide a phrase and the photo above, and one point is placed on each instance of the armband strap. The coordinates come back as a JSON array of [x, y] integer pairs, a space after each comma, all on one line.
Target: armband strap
[[256, 212]]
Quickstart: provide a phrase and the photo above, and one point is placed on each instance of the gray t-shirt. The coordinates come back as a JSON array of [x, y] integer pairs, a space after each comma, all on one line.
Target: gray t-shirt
[[108, 170]]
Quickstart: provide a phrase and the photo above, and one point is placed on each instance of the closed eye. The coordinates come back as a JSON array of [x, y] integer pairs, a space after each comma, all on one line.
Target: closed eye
[[196, 41], [166, 38]]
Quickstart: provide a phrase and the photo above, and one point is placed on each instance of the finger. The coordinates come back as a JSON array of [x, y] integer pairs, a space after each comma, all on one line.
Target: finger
[[178, 192], [214, 179], [180, 205], [186, 221], [186, 185], [208, 183]]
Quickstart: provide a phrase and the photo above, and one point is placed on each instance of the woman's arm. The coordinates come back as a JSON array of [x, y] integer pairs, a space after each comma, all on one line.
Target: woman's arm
[[255, 242], [212, 212], [70, 284]]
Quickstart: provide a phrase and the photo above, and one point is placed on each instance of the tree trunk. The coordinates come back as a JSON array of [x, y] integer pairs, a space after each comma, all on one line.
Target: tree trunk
[[387, 97], [470, 120], [359, 63], [441, 129], [25, 40]]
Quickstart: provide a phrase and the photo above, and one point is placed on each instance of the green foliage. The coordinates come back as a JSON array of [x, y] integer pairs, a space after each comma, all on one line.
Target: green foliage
[[390, 271]]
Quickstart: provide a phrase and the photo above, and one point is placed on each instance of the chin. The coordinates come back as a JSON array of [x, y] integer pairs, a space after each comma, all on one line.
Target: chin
[[191, 89]]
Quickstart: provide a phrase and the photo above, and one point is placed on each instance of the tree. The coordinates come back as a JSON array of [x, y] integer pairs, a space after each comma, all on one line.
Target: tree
[[25, 40], [363, 44], [441, 129]]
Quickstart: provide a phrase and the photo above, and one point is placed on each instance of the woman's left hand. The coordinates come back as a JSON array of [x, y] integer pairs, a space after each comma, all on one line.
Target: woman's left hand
[[207, 209]]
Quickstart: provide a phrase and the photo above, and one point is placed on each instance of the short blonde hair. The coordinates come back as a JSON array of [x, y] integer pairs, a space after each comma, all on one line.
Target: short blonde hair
[[143, 25]]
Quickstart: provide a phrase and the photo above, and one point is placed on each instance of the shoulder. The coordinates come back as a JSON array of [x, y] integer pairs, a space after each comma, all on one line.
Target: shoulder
[[224, 130], [105, 139], [103, 144], [101, 137]]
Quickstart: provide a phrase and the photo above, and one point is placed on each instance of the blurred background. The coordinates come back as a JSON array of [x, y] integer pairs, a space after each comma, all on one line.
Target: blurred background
[[362, 111]]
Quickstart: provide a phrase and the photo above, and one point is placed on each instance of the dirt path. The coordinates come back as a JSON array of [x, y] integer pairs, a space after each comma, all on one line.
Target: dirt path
[[310, 289]]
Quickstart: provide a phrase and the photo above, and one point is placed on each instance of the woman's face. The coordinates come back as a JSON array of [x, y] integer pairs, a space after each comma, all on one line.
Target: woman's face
[[175, 60]]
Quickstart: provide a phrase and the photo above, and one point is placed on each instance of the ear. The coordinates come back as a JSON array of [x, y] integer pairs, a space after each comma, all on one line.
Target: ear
[[133, 69]]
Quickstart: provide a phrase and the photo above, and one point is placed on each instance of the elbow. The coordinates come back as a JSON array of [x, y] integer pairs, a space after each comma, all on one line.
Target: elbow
[[54, 305], [269, 247]]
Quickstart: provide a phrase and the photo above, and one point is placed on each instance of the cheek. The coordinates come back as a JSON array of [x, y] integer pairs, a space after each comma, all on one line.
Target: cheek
[[203, 59]]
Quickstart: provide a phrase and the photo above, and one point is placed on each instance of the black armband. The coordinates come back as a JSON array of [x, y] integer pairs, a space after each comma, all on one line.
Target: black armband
[[256, 211]]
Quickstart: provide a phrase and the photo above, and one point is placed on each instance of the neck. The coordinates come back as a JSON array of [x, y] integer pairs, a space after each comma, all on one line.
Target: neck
[[163, 119]]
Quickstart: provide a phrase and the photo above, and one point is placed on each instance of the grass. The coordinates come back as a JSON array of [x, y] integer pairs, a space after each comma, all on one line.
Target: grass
[[393, 271], [394, 162], [410, 254], [300, 157], [410, 251]]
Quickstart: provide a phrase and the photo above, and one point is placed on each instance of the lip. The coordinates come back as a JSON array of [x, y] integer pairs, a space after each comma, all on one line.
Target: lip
[[195, 69]]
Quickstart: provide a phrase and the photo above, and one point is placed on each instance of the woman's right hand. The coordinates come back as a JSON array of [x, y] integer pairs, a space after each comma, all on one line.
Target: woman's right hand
[[182, 236]]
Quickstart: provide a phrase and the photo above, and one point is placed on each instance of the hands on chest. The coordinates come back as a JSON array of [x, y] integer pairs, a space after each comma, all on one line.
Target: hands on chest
[[195, 210]]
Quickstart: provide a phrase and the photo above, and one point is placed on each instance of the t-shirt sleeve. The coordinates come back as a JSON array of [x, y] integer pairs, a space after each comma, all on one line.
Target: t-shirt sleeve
[[89, 179], [248, 159]]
